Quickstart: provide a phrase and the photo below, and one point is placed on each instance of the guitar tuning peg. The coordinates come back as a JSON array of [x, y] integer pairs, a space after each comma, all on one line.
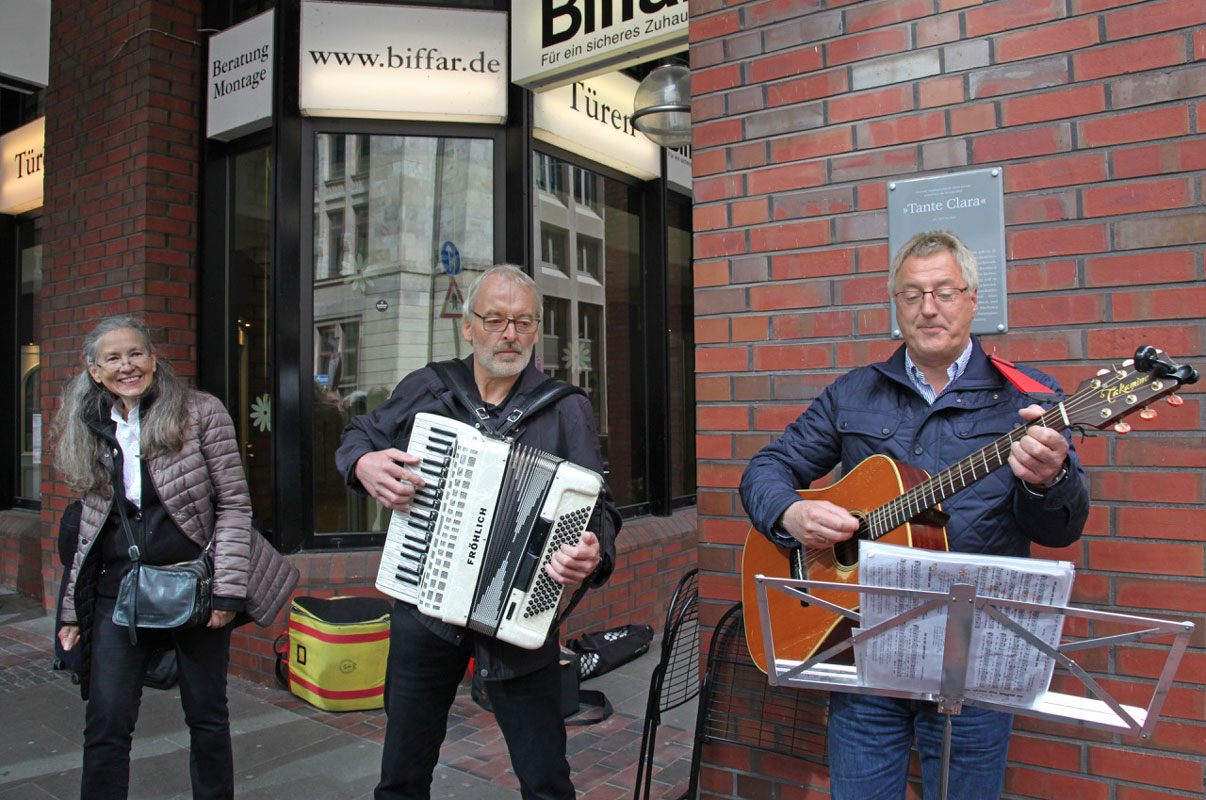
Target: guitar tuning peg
[[1147, 413], [1175, 400], [1122, 427], [1104, 371]]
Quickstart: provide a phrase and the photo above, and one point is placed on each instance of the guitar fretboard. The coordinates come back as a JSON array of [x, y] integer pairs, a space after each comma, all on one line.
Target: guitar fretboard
[[957, 477]]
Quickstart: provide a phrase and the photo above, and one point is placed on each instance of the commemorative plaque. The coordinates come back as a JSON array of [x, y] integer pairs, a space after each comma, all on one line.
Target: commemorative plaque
[[971, 206]]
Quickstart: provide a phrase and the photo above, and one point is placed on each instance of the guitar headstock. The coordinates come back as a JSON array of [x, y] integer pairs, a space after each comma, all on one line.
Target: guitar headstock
[[1118, 392]]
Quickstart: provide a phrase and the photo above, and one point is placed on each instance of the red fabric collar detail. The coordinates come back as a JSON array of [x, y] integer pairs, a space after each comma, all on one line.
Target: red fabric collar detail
[[1019, 379]]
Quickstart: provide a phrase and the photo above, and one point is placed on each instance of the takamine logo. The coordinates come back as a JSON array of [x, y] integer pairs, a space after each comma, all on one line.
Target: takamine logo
[[562, 20]]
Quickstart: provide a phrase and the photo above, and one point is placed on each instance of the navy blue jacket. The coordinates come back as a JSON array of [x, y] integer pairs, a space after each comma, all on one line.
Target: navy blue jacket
[[876, 410], [566, 429]]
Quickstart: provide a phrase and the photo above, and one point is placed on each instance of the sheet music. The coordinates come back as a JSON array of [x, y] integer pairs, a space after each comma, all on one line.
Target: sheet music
[[1001, 665]]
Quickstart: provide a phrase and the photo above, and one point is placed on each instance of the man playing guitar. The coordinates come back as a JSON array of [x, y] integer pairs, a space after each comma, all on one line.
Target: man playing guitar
[[935, 401]]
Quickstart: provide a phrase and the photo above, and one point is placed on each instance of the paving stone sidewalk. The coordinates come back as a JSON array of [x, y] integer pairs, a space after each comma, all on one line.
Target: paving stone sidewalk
[[285, 748]]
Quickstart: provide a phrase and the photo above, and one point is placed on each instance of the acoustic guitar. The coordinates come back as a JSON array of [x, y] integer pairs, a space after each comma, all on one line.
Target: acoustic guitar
[[901, 504]]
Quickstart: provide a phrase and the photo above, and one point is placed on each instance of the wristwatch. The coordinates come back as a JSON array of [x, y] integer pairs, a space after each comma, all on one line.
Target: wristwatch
[[1046, 486]]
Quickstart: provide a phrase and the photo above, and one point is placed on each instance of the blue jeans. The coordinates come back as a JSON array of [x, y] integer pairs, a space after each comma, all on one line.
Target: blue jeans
[[421, 678], [870, 738], [115, 692]]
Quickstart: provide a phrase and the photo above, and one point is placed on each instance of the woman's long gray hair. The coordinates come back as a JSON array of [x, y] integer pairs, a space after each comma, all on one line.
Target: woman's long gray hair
[[77, 447]]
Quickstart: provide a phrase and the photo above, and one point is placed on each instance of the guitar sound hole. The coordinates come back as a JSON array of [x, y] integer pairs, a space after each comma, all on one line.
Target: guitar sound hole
[[845, 554]]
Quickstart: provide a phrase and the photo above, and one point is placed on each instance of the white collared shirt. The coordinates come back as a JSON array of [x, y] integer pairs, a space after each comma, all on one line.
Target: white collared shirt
[[129, 432], [917, 377]]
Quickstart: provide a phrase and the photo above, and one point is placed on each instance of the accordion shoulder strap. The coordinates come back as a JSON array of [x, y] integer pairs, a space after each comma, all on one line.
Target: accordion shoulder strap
[[456, 377]]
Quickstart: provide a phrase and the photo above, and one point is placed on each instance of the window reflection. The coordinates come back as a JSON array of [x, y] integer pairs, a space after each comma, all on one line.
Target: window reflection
[[415, 226], [589, 269]]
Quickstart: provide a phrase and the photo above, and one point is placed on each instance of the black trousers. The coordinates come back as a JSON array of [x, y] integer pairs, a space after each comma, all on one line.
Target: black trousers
[[115, 692], [420, 685]]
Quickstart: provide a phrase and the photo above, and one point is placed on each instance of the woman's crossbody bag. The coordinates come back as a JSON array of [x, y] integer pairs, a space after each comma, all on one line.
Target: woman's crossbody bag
[[172, 596]]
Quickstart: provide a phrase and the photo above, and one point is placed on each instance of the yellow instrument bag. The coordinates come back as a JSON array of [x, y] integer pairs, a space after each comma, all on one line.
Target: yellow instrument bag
[[338, 648]]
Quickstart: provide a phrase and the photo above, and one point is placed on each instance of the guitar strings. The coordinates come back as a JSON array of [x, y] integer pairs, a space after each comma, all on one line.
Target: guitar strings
[[929, 493]]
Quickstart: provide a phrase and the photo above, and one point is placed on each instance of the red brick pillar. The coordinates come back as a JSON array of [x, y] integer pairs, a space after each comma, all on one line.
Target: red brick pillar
[[123, 139]]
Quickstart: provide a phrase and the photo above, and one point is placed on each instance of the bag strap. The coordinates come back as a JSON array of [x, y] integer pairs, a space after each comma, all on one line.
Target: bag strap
[[456, 377], [452, 373], [119, 500]]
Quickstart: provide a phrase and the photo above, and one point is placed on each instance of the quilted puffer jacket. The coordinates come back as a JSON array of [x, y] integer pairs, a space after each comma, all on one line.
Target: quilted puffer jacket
[[203, 490], [875, 410]]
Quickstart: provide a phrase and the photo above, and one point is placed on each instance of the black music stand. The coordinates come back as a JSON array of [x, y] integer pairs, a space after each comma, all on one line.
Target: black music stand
[[960, 603]]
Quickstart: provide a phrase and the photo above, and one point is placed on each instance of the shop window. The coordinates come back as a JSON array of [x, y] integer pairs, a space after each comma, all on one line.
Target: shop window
[[410, 200], [22, 432], [599, 346]]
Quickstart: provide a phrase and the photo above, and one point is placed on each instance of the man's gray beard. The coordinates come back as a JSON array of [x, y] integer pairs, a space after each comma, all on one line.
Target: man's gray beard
[[484, 355]]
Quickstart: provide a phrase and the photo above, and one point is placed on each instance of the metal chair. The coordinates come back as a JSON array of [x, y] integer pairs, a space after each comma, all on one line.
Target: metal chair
[[675, 679], [737, 705]]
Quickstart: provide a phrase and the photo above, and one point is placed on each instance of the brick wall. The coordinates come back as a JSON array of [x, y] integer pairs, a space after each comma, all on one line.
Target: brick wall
[[803, 112], [123, 138]]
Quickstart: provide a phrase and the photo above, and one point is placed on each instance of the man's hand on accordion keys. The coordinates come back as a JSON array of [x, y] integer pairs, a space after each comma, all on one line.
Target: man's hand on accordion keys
[[384, 475], [570, 566]]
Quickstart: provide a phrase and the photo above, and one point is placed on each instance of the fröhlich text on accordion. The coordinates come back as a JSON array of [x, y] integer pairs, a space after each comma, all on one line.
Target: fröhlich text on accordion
[[472, 548]]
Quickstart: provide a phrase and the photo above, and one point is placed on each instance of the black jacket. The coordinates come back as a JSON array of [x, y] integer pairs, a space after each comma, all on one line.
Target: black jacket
[[565, 429]]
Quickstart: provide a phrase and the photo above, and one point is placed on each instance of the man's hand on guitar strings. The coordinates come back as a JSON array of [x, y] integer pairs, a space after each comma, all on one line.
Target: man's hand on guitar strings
[[384, 475], [572, 565], [1038, 456], [818, 523]]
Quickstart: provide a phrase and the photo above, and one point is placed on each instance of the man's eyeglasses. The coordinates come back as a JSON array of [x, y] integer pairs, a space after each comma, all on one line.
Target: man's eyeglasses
[[947, 294], [497, 324]]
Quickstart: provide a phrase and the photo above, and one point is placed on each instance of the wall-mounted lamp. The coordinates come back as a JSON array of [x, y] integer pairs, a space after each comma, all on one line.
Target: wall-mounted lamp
[[661, 108]]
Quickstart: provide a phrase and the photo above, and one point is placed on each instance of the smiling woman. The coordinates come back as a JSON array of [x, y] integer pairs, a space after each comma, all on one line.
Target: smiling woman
[[139, 445], [124, 365]]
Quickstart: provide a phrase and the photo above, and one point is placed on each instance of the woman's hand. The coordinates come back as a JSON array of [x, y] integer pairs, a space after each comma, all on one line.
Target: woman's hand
[[218, 619], [69, 635]]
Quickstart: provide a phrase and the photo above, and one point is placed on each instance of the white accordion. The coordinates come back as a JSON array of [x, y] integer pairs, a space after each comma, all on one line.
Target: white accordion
[[472, 547]]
